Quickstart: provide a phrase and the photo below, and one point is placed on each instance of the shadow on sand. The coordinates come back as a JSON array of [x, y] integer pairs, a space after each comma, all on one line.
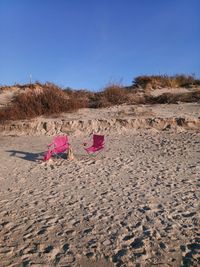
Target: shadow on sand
[[26, 155]]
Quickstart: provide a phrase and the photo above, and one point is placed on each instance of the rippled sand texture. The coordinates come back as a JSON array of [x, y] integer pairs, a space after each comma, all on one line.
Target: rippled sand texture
[[137, 202]]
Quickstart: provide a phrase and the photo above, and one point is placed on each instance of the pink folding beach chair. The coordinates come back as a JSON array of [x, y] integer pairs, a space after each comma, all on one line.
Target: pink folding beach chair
[[97, 146], [59, 145]]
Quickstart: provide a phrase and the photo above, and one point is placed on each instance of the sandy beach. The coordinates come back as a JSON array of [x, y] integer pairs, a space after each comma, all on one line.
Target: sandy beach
[[135, 203], [128, 71]]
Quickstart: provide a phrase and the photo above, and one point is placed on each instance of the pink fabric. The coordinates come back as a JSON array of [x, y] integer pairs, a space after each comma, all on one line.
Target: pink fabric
[[59, 145], [98, 144], [47, 155]]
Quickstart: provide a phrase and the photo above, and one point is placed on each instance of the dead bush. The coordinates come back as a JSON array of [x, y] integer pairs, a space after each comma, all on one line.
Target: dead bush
[[49, 99], [169, 98], [164, 81], [112, 95], [116, 94], [81, 96], [99, 100], [31, 104]]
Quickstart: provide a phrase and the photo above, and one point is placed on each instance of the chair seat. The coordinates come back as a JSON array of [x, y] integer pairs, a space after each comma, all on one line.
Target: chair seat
[[98, 144], [93, 149], [59, 145]]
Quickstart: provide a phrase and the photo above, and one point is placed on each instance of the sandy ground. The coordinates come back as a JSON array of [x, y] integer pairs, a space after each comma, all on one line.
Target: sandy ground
[[186, 110], [135, 204]]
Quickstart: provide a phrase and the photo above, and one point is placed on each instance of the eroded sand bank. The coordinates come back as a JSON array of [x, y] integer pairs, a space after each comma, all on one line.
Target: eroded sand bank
[[118, 119]]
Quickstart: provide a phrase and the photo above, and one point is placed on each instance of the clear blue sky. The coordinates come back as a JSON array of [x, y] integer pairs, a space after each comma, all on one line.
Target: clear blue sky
[[89, 43]]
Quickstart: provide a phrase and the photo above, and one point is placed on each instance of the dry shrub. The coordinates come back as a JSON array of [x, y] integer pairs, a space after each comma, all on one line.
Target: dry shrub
[[9, 113], [186, 81], [51, 100], [116, 94], [136, 98], [169, 98], [190, 97], [82, 96], [98, 100], [113, 94], [163, 81]]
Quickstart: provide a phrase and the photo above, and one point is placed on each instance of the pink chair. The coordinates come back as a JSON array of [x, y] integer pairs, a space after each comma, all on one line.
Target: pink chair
[[59, 145], [98, 144]]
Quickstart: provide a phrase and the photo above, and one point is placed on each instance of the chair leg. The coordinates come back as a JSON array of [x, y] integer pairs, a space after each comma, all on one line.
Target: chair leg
[[98, 153], [94, 155], [57, 156]]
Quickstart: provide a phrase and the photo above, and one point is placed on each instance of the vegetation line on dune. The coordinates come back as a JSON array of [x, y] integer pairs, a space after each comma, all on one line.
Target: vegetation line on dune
[[38, 99]]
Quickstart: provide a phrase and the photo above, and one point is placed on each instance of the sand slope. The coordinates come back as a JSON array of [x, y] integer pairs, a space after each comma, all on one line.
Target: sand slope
[[138, 202]]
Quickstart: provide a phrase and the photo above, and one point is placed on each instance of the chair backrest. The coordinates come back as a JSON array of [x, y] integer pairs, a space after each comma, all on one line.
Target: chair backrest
[[60, 141], [98, 140]]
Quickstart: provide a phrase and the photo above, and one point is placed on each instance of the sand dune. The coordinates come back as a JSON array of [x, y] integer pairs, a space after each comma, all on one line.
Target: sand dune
[[137, 202]]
